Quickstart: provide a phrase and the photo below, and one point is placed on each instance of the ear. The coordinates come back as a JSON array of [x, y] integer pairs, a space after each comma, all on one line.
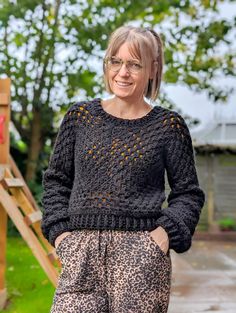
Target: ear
[[153, 69]]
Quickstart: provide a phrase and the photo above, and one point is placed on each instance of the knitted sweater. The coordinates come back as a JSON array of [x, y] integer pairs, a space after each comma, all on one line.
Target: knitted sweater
[[107, 172]]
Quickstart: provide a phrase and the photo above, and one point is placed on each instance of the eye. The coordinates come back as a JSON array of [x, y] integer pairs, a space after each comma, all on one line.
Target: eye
[[115, 61], [135, 65]]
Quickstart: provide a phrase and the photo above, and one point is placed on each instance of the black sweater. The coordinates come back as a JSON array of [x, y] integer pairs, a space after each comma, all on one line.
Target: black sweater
[[106, 172]]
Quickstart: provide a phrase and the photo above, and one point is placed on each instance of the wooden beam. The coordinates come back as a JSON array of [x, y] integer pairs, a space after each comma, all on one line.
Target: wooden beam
[[4, 99], [33, 217], [210, 191], [27, 191], [5, 85], [3, 234], [12, 183], [3, 298]]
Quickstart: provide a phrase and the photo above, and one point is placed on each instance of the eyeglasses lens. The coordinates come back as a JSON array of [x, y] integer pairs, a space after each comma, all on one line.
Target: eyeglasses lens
[[115, 64]]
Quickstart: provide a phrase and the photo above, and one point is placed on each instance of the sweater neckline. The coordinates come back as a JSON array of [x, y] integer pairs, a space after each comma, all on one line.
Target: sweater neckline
[[119, 120]]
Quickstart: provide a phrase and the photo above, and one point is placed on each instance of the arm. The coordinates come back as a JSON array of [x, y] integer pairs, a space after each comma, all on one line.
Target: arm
[[58, 182], [186, 199]]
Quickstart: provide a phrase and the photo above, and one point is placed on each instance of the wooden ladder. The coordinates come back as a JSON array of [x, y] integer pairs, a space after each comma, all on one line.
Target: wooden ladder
[[17, 202], [16, 199]]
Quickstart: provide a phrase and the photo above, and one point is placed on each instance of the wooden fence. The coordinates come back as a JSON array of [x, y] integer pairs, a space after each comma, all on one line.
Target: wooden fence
[[217, 177]]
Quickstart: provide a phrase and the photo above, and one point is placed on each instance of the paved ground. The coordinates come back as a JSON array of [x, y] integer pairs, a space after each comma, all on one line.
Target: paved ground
[[204, 279]]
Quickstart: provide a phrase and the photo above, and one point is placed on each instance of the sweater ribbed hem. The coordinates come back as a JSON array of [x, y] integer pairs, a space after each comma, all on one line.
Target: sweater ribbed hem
[[109, 221]]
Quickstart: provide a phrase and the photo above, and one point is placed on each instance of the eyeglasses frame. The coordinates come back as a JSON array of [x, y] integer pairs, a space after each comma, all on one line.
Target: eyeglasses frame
[[107, 59]]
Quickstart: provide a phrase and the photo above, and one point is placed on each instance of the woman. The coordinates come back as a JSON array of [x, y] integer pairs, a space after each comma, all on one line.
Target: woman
[[104, 188]]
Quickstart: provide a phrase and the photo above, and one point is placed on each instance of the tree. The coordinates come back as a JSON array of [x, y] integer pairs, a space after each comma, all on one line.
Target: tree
[[51, 50]]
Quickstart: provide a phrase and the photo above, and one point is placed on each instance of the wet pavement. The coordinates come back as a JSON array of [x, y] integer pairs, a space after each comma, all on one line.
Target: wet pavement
[[204, 278]]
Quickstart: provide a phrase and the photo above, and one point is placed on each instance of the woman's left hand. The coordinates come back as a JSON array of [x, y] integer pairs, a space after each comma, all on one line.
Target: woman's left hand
[[161, 238]]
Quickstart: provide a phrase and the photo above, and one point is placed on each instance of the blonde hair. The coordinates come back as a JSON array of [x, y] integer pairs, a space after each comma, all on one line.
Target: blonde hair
[[144, 44]]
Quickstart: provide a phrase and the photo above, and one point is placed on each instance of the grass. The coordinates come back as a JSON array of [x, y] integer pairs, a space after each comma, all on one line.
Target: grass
[[29, 289]]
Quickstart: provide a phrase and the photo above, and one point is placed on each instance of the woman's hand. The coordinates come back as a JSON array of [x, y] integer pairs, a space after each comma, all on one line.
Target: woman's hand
[[60, 237], [161, 238]]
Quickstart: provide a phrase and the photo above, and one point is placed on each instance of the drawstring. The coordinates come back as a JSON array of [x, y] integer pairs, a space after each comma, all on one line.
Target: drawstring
[[107, 240], [99, 243], [110, 235], [104, 241]]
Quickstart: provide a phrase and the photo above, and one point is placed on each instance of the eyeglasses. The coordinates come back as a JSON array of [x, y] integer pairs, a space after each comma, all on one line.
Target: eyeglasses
[[115, 64]]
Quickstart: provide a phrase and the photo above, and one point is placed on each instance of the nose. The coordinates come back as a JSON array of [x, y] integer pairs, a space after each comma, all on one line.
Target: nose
[[123, 70]]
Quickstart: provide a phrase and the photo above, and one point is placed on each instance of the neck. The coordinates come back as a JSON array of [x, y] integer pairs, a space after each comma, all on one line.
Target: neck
[[126, 108]]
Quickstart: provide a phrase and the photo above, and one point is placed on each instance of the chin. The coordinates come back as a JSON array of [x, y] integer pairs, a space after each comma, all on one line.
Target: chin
[[123, 97], [121, 94]]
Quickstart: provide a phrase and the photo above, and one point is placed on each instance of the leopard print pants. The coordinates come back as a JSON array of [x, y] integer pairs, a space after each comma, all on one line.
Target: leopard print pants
[[112, 271]]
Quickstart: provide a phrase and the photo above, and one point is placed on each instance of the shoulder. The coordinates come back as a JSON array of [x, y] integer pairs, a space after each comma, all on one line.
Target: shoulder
[[170, 117], [80, 108], [77, 112], [173, 124]]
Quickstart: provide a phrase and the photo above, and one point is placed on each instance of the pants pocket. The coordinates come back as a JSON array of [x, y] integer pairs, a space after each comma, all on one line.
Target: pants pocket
[[80, 271], [63, 244], [152, 241]]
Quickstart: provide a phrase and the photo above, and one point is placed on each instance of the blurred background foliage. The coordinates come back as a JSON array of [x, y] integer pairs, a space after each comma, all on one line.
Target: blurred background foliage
[[52, 51]]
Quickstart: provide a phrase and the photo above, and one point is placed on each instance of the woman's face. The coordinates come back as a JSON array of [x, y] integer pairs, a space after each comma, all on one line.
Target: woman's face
[[124, 84]]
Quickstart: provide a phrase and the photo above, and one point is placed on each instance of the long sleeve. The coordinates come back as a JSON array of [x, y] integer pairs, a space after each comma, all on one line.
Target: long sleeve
[[58, 181], [186, 199]]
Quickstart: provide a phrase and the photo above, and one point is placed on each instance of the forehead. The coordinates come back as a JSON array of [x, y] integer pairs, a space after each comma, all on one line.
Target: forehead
[[127, 50]]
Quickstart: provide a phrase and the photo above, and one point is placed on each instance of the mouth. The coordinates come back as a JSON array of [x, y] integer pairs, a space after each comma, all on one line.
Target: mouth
[[123, 84]]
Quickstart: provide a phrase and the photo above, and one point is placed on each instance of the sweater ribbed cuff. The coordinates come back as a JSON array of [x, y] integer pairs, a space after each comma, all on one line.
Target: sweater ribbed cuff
[[172, 231], [57, 230]]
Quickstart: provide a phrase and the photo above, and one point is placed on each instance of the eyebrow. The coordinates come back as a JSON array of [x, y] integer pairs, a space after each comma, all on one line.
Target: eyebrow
[[127, 60]]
